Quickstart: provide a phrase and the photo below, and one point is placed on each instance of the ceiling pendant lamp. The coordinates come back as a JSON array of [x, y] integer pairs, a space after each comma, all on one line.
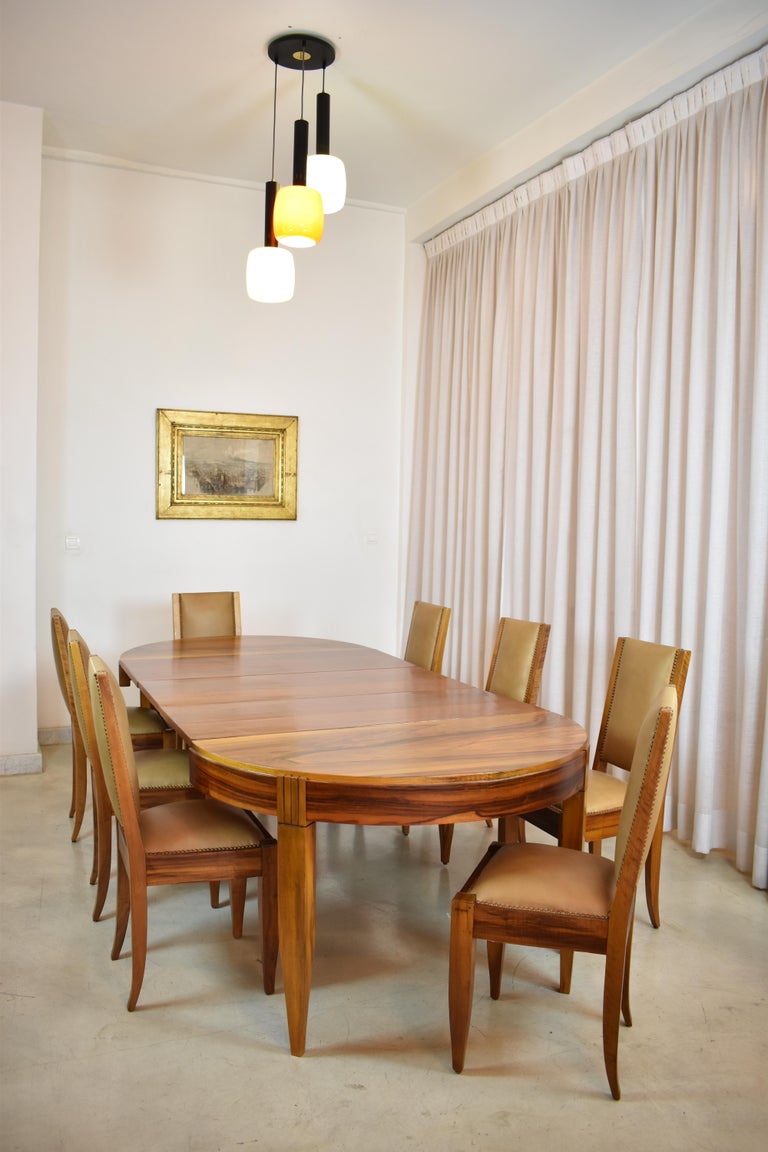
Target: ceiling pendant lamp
[[326, 173], [298, 215], [269, 272]]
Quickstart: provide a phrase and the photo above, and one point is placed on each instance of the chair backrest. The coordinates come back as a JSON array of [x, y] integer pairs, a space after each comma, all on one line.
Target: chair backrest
[[205, 614], [59, 631], [518, 659], [426, 636], [646, 789], [78, 655], [640, 670], [113, 740]]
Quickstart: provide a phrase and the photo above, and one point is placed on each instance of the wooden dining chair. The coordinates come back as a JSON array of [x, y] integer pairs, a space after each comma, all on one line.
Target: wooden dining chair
[[545, 896], [426, 642], [162, 773], [639, 670], [205, 614], [180, 843], [517, 663], [147, 729]]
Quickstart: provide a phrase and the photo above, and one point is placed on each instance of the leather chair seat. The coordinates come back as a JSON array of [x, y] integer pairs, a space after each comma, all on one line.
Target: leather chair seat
[[196, 826], [604, 793], [533, 877]]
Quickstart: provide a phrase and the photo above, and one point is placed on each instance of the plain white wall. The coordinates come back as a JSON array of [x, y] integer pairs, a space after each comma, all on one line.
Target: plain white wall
[[143, 306], [21, 133]]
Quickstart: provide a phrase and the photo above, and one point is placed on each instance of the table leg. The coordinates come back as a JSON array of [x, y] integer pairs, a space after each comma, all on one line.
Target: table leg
[[295, 904], [571, 836]]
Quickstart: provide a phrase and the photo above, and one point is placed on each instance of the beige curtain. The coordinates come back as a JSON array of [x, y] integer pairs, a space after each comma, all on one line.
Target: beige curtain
[[591, 436]]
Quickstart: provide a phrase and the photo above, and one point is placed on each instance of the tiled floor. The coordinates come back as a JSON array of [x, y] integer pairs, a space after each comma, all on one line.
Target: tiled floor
[[203, 1065]]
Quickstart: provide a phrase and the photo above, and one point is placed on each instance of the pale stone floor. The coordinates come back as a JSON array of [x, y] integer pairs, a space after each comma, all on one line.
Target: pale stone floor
[[203, 1065]]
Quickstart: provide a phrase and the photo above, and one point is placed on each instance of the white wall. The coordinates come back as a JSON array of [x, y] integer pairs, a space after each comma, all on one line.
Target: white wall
[[143, 306], [21, 132]]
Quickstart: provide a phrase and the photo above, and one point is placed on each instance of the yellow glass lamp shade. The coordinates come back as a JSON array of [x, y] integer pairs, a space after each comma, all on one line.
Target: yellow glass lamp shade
[[328, 175], [298, 216], [270, 275]]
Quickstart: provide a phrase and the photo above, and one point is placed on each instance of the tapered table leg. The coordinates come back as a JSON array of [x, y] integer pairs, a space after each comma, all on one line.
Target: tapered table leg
[[295, 904]]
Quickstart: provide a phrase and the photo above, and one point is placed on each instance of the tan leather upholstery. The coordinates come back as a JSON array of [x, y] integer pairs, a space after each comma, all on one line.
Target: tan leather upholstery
[[545, 896], [427, 635], [639, 670], [517, 661], [206, 614], [174, 843], [147, 728]]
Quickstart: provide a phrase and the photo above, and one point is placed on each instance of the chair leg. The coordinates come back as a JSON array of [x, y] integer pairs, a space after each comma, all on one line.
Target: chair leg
[[625, 1009], [405, 829], [102, 820], [123, 909], [495, 966], [268, 918], [214, 888], [445, 832], [79, 779], [237, 905], [566, 969], [511, 830], [138, 939], [613, 996], [653, 873], [95, 859], [461, 976]]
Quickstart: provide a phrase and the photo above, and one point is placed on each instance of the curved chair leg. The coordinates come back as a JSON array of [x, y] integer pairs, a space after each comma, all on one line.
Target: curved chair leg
[[123, 909], [445, 832], [653, 873], [102, 820], [138, 940], [625, 1009], [79, 779], [405, 829], [95, 859], [495, 966], [461, 976]]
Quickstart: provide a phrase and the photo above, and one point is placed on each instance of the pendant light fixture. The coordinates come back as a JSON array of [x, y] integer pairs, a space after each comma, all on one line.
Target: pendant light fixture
[[269, 272], [326, 173], [298, 214]]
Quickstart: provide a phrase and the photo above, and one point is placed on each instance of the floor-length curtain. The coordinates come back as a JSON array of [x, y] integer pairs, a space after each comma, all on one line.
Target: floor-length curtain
[[591, 436]]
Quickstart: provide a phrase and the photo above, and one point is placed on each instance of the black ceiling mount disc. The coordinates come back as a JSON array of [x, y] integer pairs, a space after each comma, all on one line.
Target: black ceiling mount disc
[[301, 50]]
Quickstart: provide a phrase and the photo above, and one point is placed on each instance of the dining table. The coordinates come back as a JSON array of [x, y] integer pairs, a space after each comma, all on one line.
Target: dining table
[[319, 730]]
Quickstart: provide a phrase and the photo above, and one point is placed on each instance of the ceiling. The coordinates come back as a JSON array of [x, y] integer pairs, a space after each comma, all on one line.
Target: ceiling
[[420, 88]]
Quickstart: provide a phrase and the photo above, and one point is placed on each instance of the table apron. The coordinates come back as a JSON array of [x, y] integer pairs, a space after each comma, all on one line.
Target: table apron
[[417, 803]]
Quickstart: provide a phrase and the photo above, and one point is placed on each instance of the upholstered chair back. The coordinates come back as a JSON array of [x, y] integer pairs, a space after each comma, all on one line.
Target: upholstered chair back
[[427, 634], [59, 631], [205, 614], [640, 670], [113, 739], [518, 659], [78, 655], [646, 787]]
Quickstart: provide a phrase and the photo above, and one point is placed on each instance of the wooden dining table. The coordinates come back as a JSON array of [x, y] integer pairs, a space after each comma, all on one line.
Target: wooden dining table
[[315, 730]]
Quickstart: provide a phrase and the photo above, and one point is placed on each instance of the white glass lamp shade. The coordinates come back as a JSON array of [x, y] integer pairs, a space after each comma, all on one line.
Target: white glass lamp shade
[[328, 175], [298, 216], [270, 275]]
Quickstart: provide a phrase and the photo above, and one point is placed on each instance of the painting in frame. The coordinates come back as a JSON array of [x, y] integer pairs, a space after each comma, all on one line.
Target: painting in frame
[[226, 466]]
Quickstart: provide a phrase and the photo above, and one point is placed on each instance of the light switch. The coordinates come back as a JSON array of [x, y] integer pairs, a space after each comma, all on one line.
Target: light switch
[[72, 543]]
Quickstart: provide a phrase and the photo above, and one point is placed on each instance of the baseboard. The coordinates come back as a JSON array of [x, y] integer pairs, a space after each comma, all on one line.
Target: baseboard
[[54, 735], [24, 765]]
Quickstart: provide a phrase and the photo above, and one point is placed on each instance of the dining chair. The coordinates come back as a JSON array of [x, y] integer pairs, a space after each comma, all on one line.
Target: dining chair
[[162, 773], [515, 670], [426, 642], [205, 614], [180, 843], [639, 670], [147, 729], [546, 896]]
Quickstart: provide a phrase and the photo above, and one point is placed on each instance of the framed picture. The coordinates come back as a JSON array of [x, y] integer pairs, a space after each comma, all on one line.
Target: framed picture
[[226, 466]]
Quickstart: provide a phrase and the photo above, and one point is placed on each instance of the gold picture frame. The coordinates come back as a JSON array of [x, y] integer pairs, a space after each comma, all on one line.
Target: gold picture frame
[[226, 466]]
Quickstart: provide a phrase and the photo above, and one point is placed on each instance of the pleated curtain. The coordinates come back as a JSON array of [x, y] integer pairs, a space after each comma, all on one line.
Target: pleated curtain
[[591, 433]]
